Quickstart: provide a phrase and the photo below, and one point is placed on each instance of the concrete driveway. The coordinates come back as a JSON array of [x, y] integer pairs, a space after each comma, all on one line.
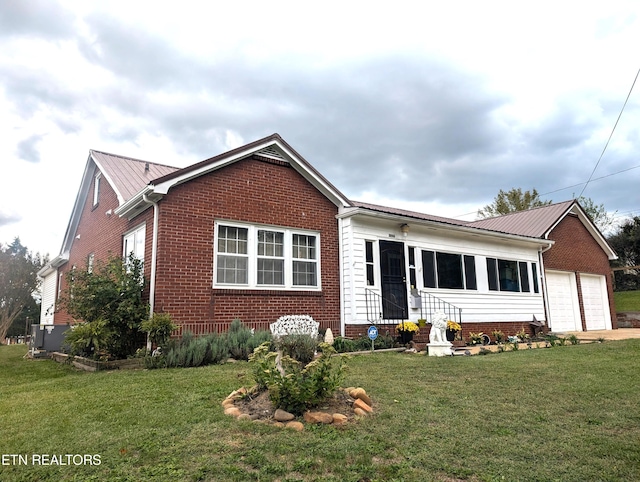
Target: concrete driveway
[[619, 334]]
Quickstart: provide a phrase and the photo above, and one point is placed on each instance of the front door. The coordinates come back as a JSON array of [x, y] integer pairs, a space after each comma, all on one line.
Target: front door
[[394, 281]]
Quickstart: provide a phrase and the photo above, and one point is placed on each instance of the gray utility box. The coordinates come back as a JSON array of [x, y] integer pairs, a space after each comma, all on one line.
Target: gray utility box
[[46, 338]]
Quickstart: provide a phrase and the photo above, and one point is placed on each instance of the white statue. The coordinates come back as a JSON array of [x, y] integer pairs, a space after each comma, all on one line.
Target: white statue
[[438, 328]]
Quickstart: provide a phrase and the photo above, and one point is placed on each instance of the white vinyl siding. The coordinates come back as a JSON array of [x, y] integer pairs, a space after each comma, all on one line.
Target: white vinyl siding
[[478, 304], [48, 304]]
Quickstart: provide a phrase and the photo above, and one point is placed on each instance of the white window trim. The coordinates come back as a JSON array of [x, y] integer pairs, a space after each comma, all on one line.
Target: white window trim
[[135, 232], [252, 254], [96, 189]]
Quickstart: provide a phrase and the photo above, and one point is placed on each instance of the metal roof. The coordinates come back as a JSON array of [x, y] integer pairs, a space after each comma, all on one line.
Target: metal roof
[[404, 212], [535, 222], [127, 175]]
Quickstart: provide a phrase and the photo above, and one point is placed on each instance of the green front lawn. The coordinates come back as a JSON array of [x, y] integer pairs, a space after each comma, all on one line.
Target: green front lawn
[[564, 413], [627, 301]]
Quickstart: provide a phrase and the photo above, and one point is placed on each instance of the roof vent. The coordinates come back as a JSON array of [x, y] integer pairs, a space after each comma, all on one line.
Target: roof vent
[[271, 152], [146, 167]]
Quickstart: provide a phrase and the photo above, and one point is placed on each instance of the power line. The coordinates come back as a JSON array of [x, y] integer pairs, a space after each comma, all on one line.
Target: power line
[[592, 180], [611, 135]]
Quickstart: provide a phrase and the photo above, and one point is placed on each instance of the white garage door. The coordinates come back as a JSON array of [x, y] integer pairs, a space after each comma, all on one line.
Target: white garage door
[[595, 300], [564, 310]]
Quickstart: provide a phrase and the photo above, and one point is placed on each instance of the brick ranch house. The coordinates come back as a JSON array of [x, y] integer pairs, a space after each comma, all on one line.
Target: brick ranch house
[[256, 233]]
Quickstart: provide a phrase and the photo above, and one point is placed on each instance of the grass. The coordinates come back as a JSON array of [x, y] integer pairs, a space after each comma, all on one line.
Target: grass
[[564, 413], [627, 300]]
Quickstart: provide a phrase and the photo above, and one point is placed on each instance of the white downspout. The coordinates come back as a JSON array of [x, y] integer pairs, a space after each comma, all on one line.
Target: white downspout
[[154, 257], [543, 277]]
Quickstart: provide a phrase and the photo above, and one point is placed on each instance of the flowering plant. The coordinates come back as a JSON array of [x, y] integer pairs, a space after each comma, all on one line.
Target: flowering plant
[[453, 326], [409, 326]]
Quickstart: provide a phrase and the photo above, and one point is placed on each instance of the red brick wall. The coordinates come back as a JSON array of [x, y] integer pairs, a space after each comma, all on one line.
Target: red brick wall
[[252, 191], [101, 234], [576, 250]]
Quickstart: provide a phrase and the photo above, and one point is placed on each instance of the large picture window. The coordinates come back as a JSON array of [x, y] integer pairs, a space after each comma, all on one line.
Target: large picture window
[[448, 270], [256, 256]]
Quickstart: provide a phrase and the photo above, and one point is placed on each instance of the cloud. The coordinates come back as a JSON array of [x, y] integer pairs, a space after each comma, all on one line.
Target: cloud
[[28, 148], [35, 18], [7, 218]]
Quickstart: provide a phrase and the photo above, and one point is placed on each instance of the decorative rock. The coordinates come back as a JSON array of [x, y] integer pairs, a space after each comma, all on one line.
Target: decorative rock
[[282, 416], [318, 417], [328, 336], [227, 402], [278, 424], [244, 416], [232, 411], [297, 426], [339, 419], [360, 393], [361, 404], [360, 412]]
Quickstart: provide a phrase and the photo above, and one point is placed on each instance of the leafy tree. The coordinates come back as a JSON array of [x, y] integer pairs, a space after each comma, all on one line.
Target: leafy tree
[[18, 281], [626, 242], [598, 214], [111, 294], [512, 201]]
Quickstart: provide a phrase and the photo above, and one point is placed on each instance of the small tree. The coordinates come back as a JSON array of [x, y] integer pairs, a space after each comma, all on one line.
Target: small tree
[[512, 201], [111, 292], [18, 281]]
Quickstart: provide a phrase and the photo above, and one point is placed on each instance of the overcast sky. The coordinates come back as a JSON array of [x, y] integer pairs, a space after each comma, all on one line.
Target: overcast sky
[[432, 106]]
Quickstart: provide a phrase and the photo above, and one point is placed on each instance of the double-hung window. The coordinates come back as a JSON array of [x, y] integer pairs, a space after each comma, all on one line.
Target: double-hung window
[[233, 259], [305, 260], [265, 257], [133, 243], [270, 257]]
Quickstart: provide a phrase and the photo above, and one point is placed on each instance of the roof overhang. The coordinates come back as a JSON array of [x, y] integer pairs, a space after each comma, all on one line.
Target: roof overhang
[[271, 147], [578, 211], [53, 265], [461, 229]]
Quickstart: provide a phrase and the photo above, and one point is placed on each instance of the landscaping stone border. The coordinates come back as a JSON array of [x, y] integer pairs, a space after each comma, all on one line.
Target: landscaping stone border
[[89, 365], [362, 406]]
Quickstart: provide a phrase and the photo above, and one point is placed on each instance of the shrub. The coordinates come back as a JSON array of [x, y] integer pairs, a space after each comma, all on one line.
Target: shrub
[[343, 345], [89, 339], [195, 352], [300, 347], [158, 328], [498, 335], [298, 388], [242, 340], [112, 292]]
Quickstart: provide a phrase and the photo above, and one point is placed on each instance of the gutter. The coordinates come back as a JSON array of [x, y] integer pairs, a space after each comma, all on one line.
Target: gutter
[[350, 212]]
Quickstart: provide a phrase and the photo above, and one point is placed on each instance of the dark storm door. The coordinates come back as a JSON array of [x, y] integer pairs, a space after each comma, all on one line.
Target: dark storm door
[[394, 281]]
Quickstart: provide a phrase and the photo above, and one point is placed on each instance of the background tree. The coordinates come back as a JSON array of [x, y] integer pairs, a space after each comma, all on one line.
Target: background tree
[[110, 298], [512, 201], [18, 281], [626, 243], [597, 213]]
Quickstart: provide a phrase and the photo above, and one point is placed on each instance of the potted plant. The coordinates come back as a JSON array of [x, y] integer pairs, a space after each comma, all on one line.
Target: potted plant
[[406, 330], [453, 329]]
